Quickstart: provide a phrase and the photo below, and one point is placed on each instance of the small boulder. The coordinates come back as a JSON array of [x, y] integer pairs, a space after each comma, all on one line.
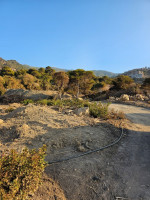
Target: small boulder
[[139, 97], [67, 96], [124, 97], [1, 121], [112, 99], [82, 111]]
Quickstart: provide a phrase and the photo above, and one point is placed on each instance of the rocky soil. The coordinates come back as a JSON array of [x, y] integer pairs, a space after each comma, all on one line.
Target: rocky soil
[[119, 172]]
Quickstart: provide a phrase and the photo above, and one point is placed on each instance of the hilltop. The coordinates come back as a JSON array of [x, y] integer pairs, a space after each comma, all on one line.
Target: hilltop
[[16, 66], [13, 64], [138, 73]]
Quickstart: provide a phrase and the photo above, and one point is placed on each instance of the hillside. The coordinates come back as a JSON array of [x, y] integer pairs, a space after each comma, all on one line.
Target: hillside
[[104, 73], [16, 66], [135, 73], [13, 64], [138, 73]]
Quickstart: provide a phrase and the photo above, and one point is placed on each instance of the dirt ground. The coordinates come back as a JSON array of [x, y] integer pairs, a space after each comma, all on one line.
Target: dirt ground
[[119, 172]]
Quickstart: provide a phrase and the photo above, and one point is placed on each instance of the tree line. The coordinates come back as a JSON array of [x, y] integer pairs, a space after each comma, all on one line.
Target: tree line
[[74, 82]]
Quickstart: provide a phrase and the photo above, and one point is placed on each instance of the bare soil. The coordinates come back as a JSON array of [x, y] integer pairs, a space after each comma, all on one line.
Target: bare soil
[[119, 172]]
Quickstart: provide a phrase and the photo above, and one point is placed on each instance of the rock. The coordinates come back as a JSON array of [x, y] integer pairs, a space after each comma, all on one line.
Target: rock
[[132, 98], [42, 139], [67, 96], [1, 121], [139, 97], [124, 97], [80, 99], [82, 111], [81, 148], [111, 98]]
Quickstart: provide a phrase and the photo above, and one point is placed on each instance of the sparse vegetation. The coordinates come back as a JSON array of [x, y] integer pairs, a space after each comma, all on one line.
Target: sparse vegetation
[[99, 110], [20, 173]]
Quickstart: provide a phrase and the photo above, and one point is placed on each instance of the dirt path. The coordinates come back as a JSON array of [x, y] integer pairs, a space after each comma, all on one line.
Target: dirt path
[[132, 161]]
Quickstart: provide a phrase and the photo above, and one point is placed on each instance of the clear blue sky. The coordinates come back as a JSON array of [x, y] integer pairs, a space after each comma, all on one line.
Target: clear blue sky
[[112, 35]]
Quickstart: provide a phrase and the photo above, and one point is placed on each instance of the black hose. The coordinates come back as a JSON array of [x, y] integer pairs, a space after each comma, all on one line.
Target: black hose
[[88, 152]]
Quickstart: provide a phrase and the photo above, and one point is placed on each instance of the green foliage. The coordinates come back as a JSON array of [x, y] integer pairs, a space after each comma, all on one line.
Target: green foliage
[[49, 70], [27, 101], [73, 103], [20, 72], [20, 173], [122, 82], [45, 81], [61, 80], [34, 72], [2, 88], [7, 71], [146, 83], [99, 110], [81, 81]]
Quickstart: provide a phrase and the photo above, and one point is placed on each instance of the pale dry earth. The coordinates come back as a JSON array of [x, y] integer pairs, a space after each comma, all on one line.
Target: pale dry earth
[[120, 171], [132, 160]]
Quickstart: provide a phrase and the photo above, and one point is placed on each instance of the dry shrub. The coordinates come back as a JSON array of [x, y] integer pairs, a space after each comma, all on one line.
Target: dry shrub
[[20, 173], [113, 114]]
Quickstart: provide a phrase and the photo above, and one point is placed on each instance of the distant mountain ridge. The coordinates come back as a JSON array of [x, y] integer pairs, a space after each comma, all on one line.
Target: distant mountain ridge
[[16, 66], [138, 73], [135, 73], [13, 64]]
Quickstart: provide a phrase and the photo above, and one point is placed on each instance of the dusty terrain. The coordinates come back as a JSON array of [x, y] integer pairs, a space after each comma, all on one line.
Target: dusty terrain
[[120, 171]]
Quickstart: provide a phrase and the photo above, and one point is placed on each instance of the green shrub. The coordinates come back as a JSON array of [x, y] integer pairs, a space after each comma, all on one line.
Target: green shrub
[[99, 110], [9, 110], [42, 102], [20, 173], [27, 101], [74, 103]]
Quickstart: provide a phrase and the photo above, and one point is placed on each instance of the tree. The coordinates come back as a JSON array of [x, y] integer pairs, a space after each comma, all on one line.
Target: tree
[[12, 83], [45, 81], [49, 70], [2, 88], [20, 72], [30, 82], [81, 81], [7, 71], [122, 82], [41, 70], [61, 80], [146, 83], [34, 72]]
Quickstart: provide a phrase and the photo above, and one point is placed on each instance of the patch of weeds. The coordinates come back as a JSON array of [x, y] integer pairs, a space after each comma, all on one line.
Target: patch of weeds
[[20, 173], [27, 101], [61, 103], [9, 110]]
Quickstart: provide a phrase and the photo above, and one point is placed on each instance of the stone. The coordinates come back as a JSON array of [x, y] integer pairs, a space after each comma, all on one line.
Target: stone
[[124, 97], [111, 98], [1, 121], [67, 96], [139, 97], [82, 111]]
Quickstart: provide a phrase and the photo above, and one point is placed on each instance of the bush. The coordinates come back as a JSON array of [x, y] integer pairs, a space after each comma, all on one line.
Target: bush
[[74, 103], [99, 110], [116, 114], [122, 82], [20, 173], [27, 101]]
